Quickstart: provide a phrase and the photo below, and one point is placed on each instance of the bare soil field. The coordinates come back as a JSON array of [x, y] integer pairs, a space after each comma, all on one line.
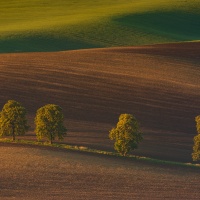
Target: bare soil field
[[43, 173], [158, 84]]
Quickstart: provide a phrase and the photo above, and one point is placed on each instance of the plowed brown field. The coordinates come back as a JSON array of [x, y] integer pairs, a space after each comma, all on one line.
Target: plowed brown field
[[41, 173], [159, 84]]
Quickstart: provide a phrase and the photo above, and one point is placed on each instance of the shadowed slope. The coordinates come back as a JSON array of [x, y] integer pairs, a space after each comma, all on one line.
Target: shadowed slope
[[159, 84]]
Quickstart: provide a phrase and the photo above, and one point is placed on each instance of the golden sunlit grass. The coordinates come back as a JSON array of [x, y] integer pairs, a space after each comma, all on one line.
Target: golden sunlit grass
[[65, 25], [48, 15]]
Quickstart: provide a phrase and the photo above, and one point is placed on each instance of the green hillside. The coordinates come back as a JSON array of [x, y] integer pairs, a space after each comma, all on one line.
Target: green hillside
[[45, 25]]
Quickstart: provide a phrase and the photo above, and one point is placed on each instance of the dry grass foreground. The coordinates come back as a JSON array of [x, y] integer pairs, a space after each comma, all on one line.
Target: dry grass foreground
[[158, 84], [43, 173]]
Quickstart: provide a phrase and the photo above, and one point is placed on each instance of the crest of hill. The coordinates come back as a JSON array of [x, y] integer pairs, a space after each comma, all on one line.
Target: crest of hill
[[31, 26]]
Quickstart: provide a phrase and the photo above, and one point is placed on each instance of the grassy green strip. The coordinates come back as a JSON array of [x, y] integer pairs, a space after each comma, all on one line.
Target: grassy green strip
[[89, 150], [67, 25]]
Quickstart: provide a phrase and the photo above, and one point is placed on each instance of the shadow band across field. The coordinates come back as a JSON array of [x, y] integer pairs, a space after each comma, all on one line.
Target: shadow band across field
[[171, 26], [41, 43]]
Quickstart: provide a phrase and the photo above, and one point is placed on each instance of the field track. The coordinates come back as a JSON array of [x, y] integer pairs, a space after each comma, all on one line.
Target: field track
[[45, 173], [159, 84]]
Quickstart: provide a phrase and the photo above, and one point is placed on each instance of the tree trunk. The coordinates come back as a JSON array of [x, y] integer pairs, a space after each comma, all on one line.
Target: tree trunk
[[124, 148], [51, 140], [13, 134]]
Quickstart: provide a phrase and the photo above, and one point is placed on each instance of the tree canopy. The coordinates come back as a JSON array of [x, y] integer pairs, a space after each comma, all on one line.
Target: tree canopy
[[13, 120], [196, 147], [126, 134], [49, 123]]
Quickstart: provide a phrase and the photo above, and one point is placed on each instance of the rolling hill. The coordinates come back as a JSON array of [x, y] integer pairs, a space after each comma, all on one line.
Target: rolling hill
[[144, 59], [159, 84], [32, 26]]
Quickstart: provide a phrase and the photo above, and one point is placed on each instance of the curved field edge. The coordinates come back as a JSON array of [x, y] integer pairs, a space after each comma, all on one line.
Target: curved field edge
[[62, 25], [95, 151]]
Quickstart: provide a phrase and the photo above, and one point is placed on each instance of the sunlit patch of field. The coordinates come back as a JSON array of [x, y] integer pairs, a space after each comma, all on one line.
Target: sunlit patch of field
[[158, 84], [43, 173], [31, 26]]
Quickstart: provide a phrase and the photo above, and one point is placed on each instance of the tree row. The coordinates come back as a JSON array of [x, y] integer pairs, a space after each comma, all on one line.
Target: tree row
[[49, 124]]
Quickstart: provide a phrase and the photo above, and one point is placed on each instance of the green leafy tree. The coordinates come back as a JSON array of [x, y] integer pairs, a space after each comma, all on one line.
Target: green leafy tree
[[196, 147], [126, 135], [13, 120], [49, 123]]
